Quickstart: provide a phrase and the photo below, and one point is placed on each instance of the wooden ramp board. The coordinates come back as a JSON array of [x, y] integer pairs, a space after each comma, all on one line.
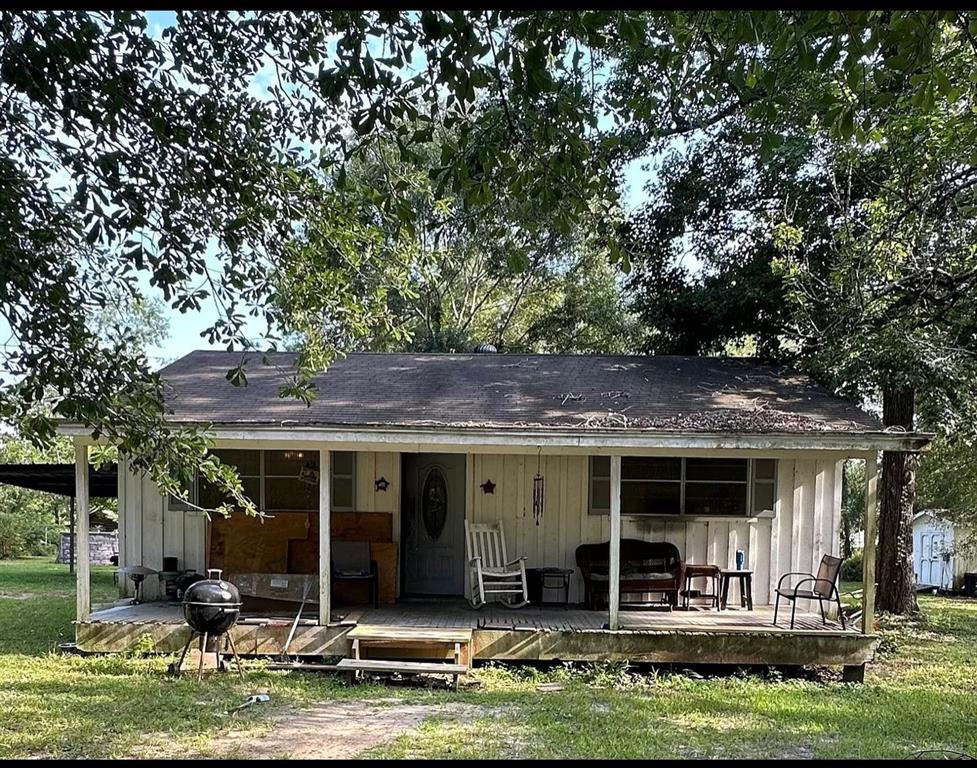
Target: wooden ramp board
[[413, 667], [425, 635]]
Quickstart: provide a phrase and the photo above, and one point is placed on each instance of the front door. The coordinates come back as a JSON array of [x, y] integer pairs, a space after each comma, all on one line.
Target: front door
[[433, 520]]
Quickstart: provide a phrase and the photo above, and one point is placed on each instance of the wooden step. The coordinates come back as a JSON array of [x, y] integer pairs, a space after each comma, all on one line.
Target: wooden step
[[417, 667], [406, 635]]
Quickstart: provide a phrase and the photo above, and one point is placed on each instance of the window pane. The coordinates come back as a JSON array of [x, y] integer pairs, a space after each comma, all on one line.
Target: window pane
[[289, 463], [600, 466], [763, 497], [286, 493], [342, 493], [343, 462], [246, 462], [650, 468], [600, 494], [765, 469], [650, 498], [715, 499], [716, 469], [177, 503], [211, 497]]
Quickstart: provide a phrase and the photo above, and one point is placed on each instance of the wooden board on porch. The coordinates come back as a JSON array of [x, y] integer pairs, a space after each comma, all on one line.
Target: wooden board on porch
[[423, 634]]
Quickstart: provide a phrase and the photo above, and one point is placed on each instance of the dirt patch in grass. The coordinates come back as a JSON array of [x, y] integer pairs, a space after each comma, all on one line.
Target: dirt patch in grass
[[337, 729]]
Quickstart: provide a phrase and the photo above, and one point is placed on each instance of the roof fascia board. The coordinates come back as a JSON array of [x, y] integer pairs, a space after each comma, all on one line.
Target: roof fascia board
[[550, 441]]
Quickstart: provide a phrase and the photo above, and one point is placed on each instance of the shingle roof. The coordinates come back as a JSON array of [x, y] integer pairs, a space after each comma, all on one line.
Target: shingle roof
[[578, 392]]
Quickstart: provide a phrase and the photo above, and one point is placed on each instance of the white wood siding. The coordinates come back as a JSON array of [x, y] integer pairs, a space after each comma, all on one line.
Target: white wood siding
[[148, 531], [804, 525]]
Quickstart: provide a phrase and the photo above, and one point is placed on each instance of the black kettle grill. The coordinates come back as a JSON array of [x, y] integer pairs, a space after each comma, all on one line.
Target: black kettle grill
[[211, 607]]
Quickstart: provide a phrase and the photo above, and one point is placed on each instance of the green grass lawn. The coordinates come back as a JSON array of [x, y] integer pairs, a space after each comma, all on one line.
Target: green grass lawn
[[918, 695]]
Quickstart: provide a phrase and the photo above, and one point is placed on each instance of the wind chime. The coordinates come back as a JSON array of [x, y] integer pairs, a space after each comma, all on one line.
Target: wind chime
[[538, 491]]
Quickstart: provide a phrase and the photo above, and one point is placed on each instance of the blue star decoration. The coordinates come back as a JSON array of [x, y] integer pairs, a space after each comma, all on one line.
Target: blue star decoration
[[488, 487], [382, 484]]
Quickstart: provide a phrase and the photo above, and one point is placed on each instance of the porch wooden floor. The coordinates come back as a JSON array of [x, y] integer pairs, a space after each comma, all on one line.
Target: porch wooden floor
[[572, 619], [700, 636], [580, 620]]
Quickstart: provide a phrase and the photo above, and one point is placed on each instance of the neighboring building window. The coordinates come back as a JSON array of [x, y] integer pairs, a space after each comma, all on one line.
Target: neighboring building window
[[343, 481], [701, 487]]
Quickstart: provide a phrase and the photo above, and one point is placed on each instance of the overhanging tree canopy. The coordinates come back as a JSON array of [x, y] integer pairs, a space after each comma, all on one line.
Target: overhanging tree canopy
[[127, 154]]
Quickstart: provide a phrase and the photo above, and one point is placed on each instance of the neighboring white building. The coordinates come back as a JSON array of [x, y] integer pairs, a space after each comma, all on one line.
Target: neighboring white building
[[936, 558]]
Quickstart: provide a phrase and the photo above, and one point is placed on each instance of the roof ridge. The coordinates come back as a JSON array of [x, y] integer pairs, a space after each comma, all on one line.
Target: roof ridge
[[491, 355]]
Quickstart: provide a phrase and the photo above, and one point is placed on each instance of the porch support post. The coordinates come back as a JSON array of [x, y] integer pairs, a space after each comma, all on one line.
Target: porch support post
[[614, 566], [325, 537], [82, 551], [868, 552], [71, 534]]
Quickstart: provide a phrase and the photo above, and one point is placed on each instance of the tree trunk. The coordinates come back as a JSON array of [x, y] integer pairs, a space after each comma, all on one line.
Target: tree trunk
[[897, 494]]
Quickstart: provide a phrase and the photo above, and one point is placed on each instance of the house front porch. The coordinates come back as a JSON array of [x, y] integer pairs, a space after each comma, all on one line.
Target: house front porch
[[695, 636]]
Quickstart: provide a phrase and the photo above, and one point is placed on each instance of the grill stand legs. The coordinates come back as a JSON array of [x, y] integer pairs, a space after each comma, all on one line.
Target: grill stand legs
[[178, 669]]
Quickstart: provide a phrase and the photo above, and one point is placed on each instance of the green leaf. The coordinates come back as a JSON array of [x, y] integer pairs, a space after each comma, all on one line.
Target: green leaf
[[237, 377]]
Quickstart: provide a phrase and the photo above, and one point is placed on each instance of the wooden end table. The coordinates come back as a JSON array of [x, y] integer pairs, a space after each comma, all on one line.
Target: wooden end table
[[693, 571], [745, 579]]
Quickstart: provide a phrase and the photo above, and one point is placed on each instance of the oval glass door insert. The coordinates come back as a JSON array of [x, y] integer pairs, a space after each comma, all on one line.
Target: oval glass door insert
[[434, 504]]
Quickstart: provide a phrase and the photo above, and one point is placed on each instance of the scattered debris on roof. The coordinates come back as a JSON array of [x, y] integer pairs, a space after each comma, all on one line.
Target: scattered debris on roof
[[500, 391]]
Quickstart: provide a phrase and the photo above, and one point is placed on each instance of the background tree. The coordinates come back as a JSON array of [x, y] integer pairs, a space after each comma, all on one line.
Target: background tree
[[881, 308], [703, 252], [500, 273], [127, 154], [198, 158]]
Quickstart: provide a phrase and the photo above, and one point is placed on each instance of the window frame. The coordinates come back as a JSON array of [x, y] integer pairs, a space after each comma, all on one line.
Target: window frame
[[332, 483], [263, 475], [751, 482], [266, 476]]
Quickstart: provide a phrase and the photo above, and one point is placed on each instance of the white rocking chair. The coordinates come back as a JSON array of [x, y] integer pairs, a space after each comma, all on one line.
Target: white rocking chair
[[492, 572]]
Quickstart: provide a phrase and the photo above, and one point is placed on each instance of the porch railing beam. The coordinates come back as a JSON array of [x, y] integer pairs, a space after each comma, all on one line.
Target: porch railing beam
[[614, 566], [868, 551], [325, 537], [82, 552]]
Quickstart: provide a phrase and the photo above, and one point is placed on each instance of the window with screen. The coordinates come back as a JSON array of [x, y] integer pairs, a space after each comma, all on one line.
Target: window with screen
[[291, 480], [248, 465], [697, 487], [283, 481]]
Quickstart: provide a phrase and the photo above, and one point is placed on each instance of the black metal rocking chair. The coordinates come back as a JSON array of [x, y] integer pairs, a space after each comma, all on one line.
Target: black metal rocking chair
[[823, 586]]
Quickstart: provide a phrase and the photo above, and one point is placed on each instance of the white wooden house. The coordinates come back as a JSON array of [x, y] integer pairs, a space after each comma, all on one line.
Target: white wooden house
[[714, 455]]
